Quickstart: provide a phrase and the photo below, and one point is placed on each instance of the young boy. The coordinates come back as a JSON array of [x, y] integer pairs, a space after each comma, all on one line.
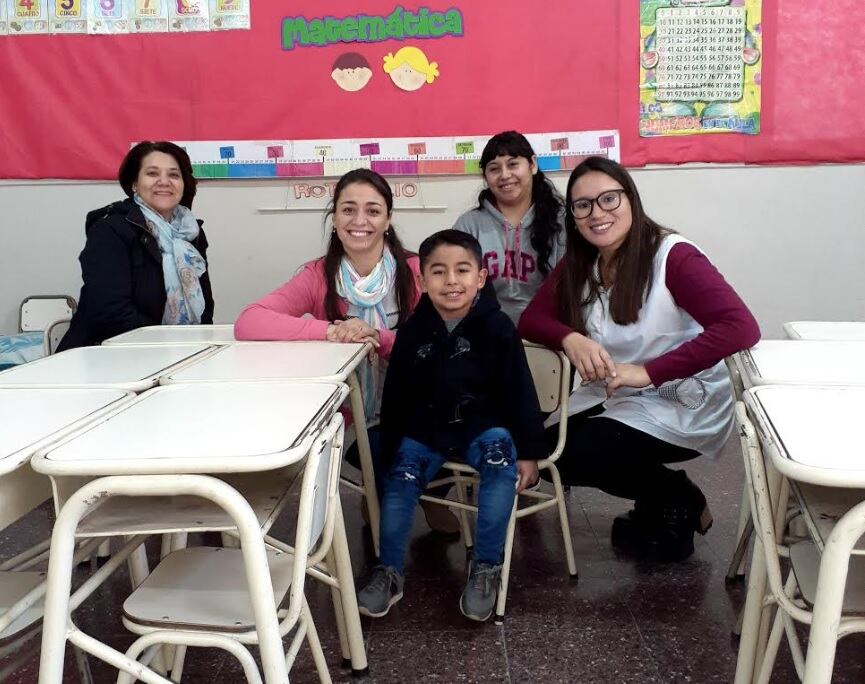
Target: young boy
[[457, 388]]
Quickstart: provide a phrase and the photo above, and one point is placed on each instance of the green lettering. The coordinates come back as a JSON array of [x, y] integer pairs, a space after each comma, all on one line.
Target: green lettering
[[371, 28], [437, 24], [454, 22], [409, 24], [332, 29], [294, 29], [316, 32], [394, 24], [423, 22], [349, 29]]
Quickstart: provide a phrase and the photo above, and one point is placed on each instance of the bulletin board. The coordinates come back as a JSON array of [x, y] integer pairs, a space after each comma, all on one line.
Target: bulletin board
[[70, 105]]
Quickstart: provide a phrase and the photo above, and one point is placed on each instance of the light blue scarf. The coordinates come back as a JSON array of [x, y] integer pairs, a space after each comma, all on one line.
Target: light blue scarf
[[368, 294], [182, 265]]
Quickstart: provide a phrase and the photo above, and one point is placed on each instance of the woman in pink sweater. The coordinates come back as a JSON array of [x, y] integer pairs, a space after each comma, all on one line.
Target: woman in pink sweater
[[361, 290]]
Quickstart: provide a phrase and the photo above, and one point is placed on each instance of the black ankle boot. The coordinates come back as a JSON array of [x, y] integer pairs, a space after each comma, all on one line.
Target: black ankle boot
[[663, 528]]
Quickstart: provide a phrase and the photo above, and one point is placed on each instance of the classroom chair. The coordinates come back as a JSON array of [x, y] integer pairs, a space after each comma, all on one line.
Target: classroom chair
[[551, 372], [794, 596], [37, 312], [201, 596]]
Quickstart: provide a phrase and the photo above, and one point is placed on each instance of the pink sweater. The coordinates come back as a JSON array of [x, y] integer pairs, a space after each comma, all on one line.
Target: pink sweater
[[278, 315]]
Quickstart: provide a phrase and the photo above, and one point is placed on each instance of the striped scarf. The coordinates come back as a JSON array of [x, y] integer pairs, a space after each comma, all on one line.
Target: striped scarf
[[367, 294]]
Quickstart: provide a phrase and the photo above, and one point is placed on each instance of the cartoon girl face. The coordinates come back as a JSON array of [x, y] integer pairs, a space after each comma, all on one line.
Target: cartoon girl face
[[409, 68], [405, 77]]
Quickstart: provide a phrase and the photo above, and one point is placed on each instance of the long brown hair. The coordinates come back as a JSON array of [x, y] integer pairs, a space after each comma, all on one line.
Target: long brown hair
[[633, 260], [406, 286]]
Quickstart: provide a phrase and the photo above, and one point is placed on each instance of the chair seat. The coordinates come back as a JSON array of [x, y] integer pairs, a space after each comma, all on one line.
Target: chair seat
[[203, 588], [805, 560], [13, 587]]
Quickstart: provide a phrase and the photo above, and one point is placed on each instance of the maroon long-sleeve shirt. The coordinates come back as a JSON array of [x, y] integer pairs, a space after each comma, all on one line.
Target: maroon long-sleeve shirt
[[696, 286]]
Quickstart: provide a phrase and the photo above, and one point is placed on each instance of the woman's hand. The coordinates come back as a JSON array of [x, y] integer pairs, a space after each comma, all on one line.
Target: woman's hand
[[590, 359], [353, 330], [628, 375]]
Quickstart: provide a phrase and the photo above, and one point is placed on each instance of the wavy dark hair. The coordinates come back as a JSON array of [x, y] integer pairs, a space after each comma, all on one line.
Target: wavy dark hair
[[130, 167], [634, 260], [547, 201], [406, 286]]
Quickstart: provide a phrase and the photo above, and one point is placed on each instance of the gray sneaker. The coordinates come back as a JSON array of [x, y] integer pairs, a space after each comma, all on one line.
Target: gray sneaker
[[382, 590], [479, 596]]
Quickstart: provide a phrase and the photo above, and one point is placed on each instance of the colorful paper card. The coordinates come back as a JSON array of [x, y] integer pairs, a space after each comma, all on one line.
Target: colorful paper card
[[107, 17], [700, 66], [188, 15], [4, 25], [27, 16], [67, 16], [229, 14], [148, 16]]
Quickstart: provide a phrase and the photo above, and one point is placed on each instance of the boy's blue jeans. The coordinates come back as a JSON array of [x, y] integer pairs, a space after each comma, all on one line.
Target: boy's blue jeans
[[492, 454]]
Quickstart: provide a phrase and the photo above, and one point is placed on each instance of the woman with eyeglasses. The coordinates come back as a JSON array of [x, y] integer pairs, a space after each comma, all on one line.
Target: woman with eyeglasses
[[646, 320], [518, 221]]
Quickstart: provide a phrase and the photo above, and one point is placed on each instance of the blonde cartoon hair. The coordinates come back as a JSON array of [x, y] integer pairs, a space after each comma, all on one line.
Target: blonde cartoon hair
[[415, 58]]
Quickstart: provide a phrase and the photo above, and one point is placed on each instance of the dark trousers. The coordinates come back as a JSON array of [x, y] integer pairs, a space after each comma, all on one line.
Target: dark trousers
[[618, 459]]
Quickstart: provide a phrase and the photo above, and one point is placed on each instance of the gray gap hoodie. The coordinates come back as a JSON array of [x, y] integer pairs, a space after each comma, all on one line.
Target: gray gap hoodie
[[508, 254]]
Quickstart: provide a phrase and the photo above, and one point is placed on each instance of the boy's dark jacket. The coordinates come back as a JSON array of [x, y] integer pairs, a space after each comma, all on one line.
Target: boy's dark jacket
[[444, 389]]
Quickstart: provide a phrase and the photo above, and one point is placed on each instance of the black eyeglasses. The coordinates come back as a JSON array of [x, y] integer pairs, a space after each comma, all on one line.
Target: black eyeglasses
[[606, 201]]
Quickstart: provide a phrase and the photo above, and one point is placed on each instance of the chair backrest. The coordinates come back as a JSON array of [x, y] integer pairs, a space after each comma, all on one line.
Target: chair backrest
[[38, 311], [317, 509], [762, 509], [549, 370], [54, 334], [551, 374]]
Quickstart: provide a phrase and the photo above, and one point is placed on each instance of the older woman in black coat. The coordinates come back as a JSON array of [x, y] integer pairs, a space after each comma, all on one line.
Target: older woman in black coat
[[145, 258]]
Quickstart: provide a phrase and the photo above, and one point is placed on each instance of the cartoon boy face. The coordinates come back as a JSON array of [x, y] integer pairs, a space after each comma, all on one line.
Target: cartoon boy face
[[351, 72], [407, 78]]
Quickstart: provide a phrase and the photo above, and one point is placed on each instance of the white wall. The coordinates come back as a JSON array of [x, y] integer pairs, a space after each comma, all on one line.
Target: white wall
[[791, 240]]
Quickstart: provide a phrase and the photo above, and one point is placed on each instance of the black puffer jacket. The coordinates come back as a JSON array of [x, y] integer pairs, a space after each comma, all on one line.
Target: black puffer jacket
[[123, 286], [444, 389]]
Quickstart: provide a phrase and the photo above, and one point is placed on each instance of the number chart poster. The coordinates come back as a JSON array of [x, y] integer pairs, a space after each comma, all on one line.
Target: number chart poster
[[700, 67], [71, 104]]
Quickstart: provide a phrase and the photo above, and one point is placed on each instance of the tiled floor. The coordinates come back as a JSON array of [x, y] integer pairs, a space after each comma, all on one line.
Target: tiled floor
[[622, 622]]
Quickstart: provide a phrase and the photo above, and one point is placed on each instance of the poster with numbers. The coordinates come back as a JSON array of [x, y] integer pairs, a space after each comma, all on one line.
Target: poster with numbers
[[148, 16], [107, 16], [26, 16], [67, 16], [229, 14], [700, 66], [188, 15]]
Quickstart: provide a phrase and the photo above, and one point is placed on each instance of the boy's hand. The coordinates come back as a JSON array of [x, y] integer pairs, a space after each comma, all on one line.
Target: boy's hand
[[528, 474]]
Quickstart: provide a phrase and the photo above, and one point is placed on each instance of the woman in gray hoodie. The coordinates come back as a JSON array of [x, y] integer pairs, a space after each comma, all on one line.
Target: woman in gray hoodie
[[519, 221]]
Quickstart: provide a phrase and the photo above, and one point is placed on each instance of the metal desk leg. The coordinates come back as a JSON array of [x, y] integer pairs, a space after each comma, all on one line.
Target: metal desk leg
[[365, 458], [823, 637], [751, 617], [345, 576]]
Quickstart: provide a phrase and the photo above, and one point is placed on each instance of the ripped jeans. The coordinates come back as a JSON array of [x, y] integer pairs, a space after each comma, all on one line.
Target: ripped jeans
[[492, 454]]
